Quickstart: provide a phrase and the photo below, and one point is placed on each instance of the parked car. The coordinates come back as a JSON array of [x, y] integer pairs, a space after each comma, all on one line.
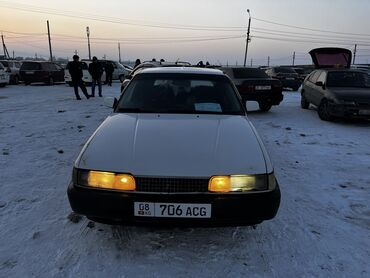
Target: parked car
[[12, 68], [303, 72], [4, 76], [337, 92], [288, 77], [85, 70], [119, 73], [151, 64], [178, 148], [41, 71], [254, 84], [129, 68]]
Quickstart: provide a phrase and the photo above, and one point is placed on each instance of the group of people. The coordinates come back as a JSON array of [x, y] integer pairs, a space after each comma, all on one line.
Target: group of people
[[96, 71]]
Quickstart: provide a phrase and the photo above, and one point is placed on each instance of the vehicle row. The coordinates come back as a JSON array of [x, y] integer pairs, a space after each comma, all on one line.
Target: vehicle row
[[253, 84], [12, 72]]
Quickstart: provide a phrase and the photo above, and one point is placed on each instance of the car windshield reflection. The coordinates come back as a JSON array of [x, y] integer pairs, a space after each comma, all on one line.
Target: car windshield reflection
[[180, 94], [348, 79]]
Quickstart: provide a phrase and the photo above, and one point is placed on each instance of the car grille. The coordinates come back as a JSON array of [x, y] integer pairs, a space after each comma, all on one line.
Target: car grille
[[171, 185]]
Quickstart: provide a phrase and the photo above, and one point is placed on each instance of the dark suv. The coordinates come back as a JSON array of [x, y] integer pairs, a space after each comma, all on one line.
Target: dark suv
[[254, 84], [288, 77], [46, 72]]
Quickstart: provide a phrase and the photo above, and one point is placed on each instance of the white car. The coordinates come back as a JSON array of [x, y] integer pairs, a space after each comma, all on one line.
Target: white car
[[178, 148], [4, 76]]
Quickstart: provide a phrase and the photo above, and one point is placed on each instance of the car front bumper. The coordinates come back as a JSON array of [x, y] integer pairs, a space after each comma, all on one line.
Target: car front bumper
[[227, 209], [349, 111]]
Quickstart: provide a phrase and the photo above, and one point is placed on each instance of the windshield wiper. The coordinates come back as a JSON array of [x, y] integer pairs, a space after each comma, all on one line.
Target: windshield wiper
[[134, 110]]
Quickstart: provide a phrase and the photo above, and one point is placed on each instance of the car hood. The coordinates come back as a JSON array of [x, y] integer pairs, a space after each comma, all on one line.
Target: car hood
[[330, 57], [175, 145]]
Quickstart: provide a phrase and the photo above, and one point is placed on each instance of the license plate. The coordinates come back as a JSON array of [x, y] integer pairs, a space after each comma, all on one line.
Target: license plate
[[260, 88], [172, 210], [364, 112], [30, 72]]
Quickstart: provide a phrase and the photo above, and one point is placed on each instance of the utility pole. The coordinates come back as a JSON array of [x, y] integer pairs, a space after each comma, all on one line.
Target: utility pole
[[119, 52], [293, 58], [268, 61], [88, 40], [248, 39], [6, 53], [51, 52], [354, 54], [251, 62]]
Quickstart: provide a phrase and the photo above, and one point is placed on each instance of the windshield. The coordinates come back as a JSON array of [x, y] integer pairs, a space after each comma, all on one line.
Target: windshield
[[181, 94], [285, 70], [31, 66], [249, 73], [348, 79]]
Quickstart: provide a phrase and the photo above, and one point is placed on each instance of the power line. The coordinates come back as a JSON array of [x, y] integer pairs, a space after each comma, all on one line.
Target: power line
[[314, 37], [71, 14], [310, 34], [310, 29]]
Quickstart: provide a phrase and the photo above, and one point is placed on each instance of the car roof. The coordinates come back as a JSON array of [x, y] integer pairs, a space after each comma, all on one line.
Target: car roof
[[182, 70]]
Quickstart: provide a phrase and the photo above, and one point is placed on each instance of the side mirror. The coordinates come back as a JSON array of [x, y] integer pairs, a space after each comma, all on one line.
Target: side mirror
[[320, 84], [110, 102]]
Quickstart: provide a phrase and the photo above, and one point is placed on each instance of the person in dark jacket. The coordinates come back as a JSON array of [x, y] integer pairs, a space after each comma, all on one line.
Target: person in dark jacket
[[96, 71], [109, 69], [75, 70], [137, 62]]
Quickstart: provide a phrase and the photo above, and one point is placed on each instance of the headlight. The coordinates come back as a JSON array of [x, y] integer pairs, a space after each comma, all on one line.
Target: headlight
[[242, 183], [105, 180]]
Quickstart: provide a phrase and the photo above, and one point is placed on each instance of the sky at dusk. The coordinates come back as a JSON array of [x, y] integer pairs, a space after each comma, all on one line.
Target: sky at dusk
[[192, 30]]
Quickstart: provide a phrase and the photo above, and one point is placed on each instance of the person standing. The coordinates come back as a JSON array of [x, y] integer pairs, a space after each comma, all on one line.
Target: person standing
[[109, 69], [75, 70], [137, 62], [96, 71]]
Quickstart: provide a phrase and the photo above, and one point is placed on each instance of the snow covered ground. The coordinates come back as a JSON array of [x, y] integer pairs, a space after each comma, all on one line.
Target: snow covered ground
[[322, 228]]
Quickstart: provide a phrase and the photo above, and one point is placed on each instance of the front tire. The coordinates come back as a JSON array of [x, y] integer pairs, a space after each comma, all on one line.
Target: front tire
[[323, 111], [304, 103]]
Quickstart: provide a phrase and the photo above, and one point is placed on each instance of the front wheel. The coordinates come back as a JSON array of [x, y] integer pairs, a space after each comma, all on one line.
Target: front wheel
[[323, 111], [304, 103], [265, 106]]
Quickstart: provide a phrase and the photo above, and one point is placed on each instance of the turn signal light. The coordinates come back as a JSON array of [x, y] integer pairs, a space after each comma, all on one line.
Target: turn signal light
[[219, 184], [108, 180]]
